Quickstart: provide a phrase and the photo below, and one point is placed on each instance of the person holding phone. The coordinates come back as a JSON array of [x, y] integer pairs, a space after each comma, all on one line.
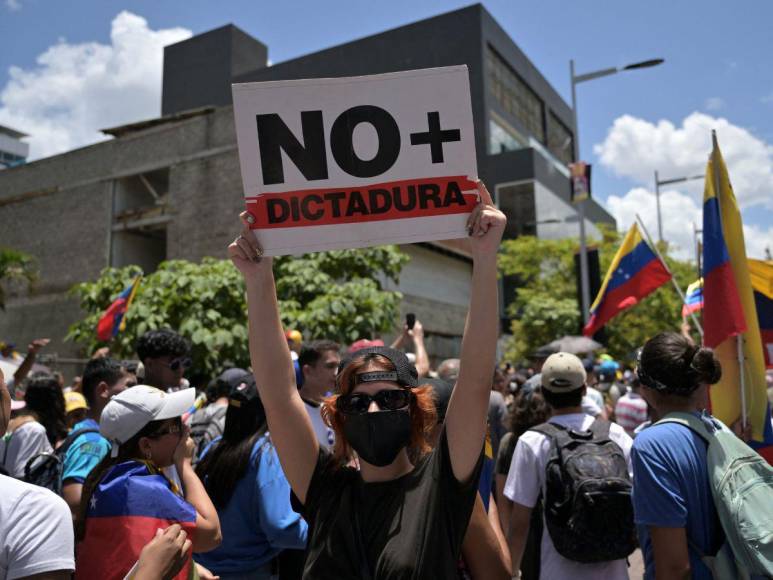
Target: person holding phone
[[393, 518]]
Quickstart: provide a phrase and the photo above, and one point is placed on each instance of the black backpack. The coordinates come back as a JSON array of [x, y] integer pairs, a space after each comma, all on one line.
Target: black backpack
[[587, 503], [45, 469], [205, 428]]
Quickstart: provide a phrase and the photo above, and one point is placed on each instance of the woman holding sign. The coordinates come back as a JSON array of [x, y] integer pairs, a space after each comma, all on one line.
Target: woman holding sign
[[393, 518]]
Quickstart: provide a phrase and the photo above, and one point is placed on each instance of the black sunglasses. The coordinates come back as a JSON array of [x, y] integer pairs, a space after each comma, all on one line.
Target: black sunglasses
[[387, 400]]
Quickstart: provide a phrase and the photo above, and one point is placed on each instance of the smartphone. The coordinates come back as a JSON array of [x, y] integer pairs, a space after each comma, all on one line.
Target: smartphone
[[410, 320]]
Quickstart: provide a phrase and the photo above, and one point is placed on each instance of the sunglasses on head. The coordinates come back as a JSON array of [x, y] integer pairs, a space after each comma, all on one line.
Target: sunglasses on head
[[387, 400], [183, 362]]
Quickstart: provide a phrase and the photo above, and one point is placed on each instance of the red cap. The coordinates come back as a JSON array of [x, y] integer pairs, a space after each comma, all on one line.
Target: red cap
[[364, 343]]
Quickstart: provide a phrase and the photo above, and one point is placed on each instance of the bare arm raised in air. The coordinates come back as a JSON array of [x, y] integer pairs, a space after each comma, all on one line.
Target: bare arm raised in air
[[467, 411], [288, 422]]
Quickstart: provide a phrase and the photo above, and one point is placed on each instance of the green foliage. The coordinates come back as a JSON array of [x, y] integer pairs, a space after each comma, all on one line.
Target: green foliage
[[333, 295], [15, 267], [545, 305]]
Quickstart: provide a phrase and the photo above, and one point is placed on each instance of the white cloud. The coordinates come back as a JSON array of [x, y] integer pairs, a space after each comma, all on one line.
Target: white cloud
[[77, 89], [679, 212], [635, 148], [13, 5], [714, 104]]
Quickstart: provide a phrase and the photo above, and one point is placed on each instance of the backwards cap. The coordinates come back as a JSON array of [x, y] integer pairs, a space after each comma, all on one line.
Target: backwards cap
[[405, 373]]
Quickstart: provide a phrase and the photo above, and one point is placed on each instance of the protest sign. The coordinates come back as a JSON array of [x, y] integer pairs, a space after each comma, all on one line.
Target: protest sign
[[359, 161]]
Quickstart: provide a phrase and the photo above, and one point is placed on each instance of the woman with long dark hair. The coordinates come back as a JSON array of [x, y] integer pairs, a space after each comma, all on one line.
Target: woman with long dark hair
[[39, 427], [127, 497], [242, 475], [393, 518]]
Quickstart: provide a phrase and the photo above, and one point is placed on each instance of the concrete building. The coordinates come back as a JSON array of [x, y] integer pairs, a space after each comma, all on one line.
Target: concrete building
[[13, 151], [171, 188]]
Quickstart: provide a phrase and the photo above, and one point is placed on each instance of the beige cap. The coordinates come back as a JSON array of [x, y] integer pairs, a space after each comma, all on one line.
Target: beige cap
[[563, 372]]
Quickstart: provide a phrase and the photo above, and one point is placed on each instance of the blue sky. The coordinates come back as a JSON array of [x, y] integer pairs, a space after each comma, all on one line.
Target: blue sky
[[717, 74]]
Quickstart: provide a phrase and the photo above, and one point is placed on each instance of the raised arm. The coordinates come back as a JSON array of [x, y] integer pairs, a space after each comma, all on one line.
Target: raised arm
[[288, 422], [468, 407]]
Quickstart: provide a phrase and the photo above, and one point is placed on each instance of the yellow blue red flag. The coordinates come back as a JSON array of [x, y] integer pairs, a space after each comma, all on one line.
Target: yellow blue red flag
[[114, 318], [733, 291], [635, 272]]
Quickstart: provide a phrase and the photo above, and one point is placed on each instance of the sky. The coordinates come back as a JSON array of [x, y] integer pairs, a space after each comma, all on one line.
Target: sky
[[68, 69]]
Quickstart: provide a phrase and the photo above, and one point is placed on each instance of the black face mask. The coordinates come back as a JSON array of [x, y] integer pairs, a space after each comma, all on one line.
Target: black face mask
[[378, 437]]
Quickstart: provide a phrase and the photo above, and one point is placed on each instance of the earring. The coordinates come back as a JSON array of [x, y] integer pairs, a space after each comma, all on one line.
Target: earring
[[148, 455]]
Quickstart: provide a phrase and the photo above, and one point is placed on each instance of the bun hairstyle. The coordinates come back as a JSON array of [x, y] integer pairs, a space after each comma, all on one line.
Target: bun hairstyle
[[671, 364]]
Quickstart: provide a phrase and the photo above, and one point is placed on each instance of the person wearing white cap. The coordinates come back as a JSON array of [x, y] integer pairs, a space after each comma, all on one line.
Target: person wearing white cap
[[126, 498], [603, 449]]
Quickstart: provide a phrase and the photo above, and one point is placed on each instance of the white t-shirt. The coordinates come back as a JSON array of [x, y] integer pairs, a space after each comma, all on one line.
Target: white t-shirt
[[17, 447], [325, 435], [36, 533], [527, 478]]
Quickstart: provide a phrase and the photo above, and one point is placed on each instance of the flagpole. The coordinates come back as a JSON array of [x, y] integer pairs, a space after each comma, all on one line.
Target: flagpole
[[739, 337], [673, 279]]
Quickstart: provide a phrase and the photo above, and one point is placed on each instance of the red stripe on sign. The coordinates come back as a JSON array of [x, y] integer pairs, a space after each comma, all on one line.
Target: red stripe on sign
[[413, 198]]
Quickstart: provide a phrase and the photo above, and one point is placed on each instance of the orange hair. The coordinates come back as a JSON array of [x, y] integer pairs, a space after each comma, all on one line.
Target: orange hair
[[422, 409]]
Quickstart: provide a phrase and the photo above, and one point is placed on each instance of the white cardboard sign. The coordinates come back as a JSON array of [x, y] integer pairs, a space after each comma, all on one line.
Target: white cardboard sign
[[359, 161]]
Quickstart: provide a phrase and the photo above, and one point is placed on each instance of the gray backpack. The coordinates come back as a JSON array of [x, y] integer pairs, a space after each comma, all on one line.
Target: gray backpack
[[742, 487]]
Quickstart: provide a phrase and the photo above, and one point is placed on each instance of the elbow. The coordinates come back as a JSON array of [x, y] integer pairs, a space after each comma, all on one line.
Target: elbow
[[673, 571], [207, 537]]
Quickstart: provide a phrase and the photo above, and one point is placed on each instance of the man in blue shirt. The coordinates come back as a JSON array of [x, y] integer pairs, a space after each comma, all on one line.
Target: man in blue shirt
[[102, 379]]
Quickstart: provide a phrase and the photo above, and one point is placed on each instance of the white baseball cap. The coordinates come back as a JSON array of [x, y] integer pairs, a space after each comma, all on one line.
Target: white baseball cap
[[127, 413], [563, 372]]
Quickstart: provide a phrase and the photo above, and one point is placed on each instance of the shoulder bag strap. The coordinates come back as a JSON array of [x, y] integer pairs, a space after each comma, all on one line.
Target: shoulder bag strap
[[600, 429], [70, 439]]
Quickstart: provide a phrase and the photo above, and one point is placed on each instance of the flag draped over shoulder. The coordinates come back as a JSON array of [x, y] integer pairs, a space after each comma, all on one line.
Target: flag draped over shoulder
[[127, 507], [693, 298], [635, 272], [729, 308], [112, 320]]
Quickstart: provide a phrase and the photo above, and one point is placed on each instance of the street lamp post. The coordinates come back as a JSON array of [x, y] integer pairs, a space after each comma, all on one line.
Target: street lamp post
[[575, 80], [658, 183]]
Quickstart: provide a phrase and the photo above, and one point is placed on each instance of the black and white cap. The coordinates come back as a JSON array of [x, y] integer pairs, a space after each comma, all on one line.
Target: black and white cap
[[405, 373]]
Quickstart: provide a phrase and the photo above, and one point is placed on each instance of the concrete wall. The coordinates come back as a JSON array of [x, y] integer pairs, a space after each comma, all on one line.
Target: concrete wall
[[60, 211]]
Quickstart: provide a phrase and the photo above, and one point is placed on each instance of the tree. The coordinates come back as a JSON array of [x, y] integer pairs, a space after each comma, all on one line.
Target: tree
[[15, 268], [335, 295], [545, 305]]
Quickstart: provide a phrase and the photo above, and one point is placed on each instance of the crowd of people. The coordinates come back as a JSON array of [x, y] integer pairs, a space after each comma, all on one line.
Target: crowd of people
[[364, 461]]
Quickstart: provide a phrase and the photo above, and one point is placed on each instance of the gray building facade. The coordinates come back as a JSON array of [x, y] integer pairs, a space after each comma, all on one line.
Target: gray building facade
[[138, 198]]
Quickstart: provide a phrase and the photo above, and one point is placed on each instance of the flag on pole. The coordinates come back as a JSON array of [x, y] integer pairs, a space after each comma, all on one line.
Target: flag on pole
[[729, 307], [762, 283], [113, 320], [723, 316], [635, 272], [693, 298]]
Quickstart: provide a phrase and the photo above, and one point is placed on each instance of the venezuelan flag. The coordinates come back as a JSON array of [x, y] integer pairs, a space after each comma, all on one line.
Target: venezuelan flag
[[128, 505], [729, 308], [693, 299], [112, 320], [635, 272], [761, 273]]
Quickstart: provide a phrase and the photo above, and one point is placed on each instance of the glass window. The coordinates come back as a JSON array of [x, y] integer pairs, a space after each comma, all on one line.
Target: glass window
[[502, 138], [514, 95], [560, 139]]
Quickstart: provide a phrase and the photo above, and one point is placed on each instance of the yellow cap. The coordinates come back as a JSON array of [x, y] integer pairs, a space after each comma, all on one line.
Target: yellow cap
[[74, 401]]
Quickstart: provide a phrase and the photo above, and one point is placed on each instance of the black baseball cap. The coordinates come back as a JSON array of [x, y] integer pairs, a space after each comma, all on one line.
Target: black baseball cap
[[405, 373], [243, 390]]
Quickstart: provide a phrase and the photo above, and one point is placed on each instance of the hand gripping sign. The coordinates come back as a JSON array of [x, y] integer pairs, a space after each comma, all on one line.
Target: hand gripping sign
[[360, 161]]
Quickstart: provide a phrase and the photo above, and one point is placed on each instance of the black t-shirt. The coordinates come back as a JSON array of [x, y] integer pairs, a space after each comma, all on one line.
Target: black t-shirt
[[505, 454], [412, 527]]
